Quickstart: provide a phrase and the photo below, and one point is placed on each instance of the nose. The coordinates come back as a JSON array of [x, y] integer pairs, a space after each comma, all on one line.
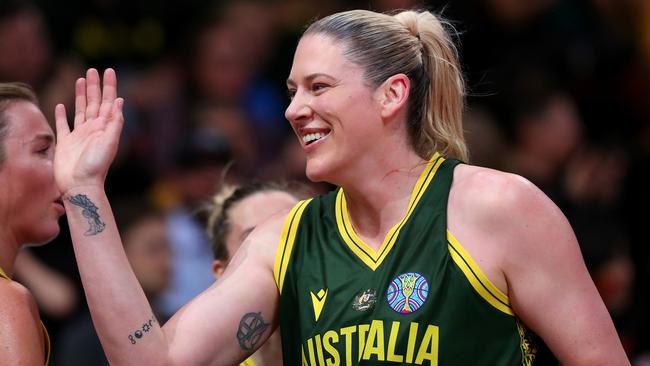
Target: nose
[[299, 109]]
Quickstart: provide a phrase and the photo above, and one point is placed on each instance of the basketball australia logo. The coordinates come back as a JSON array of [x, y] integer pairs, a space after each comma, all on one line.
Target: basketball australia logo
[[407, 292]]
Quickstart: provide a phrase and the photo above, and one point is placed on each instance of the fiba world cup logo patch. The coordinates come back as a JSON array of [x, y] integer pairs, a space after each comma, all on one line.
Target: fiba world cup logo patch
[[407, 292]]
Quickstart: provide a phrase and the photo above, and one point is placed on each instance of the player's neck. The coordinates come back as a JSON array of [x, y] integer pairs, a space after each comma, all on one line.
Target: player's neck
[[8, 252], [379, 201]]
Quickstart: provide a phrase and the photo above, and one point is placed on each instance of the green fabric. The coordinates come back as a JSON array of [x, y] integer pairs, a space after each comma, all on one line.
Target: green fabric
[[446, 323]]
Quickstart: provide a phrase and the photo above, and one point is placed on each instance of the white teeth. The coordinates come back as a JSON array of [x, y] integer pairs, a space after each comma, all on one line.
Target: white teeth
[[310, 137]]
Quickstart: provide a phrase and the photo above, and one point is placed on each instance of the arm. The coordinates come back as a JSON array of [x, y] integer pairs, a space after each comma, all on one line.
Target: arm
[[21, 335], [530, 252], [221, 326]]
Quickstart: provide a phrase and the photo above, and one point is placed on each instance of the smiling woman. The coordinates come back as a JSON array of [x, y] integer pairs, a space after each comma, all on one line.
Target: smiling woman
[[30, 207]]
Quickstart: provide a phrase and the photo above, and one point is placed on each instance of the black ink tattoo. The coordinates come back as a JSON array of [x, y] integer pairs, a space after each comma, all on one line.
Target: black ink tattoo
[[89, 212], [251, 328], [145, 328]]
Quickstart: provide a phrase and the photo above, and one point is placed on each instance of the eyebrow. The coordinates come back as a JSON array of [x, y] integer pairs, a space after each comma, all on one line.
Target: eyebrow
[[309, 78], [42, 137], [47, 137]]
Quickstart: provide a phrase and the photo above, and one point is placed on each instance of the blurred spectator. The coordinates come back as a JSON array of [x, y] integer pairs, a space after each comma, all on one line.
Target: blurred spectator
[[26, 51], [226, 70], [485, 140], [201, 168], [230, 123]]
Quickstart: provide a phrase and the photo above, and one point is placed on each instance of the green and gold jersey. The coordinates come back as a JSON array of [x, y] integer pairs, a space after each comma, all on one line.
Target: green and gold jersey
[[419, 300]]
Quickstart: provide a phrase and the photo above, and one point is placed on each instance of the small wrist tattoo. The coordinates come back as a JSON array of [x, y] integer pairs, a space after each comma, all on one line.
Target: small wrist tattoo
[[140, 332], [90, 212], [250, 331]]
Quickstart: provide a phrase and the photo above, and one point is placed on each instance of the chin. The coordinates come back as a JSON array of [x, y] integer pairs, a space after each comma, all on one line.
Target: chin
[[315, 173], [46, 236], [322, 170]]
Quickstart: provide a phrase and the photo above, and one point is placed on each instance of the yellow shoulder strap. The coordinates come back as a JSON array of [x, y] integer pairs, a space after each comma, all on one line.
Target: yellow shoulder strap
[[3, 274], [248, 362], [285, 245], [48, 344]]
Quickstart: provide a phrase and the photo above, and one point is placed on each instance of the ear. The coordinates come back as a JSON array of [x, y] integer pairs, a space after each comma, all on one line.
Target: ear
[[218, 266], [393, 95]]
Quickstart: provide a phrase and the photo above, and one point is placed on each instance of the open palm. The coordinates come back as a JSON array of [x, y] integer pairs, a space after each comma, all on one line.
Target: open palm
[[83, 155]]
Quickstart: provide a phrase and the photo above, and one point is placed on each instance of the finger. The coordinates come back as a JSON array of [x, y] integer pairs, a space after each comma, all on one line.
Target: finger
[[116, 120], [62, 127], [109, 92], [80, 101], [93, 94]]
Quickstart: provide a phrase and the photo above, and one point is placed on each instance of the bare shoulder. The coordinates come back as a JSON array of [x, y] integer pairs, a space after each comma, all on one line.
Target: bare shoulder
[[15, 298], [501, 203], [20, 332], [503, 220], [488, 189]]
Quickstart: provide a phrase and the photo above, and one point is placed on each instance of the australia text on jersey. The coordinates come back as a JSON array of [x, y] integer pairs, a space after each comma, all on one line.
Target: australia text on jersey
[[374, 341]]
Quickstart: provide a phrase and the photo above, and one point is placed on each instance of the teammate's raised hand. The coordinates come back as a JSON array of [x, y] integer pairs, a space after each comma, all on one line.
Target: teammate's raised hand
[[83, 155]]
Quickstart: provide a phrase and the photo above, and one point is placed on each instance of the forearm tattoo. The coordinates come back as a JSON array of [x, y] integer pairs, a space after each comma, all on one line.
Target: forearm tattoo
[[90, 212], [140, 332], [251, 328]]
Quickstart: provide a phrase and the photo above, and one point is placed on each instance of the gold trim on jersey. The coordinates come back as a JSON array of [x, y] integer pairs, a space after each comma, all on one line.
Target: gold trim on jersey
[[287, 239], [3, 274], [367, 254], [248, 362], [479, 281]]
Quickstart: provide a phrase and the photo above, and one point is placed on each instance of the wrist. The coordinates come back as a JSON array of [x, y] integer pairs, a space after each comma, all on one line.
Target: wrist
[[85, 189]]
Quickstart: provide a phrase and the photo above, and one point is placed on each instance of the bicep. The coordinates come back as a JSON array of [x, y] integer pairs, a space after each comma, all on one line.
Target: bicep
[[232, 318], [21, 335]]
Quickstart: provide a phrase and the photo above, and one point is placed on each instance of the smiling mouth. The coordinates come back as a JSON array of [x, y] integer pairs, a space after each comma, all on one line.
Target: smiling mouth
[[310, 138]]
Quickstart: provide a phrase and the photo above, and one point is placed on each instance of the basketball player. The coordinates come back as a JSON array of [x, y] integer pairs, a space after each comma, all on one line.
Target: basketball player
[[30, 208], [234, 213], [415, 259]]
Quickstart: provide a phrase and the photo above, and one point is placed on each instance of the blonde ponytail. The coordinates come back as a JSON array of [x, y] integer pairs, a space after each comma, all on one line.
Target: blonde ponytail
[[441, 127]]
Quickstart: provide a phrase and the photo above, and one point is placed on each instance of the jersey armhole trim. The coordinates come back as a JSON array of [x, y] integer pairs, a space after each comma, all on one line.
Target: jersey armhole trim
[[287, 239], [481, 284]]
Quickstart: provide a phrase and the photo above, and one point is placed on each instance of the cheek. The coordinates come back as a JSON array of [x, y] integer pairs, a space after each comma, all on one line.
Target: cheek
[[44, 177]]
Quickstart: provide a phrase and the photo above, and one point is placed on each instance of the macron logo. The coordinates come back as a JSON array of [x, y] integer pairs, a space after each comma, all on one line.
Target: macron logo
[[318, 301]]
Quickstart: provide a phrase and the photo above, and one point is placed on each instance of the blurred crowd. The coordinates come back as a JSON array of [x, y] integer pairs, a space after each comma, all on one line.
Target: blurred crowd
[[558, 92]]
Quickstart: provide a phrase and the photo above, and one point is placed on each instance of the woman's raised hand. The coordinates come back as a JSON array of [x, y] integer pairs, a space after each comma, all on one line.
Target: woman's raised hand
[[83, 155]]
